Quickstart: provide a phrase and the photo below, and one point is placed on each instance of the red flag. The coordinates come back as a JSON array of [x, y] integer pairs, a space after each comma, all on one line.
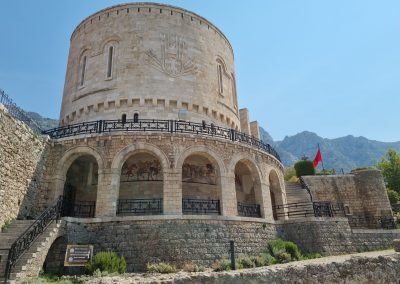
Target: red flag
[[318, 158]]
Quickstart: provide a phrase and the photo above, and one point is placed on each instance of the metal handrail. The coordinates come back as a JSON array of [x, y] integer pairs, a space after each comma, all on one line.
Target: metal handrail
[[157, 125], [18, 113], [25, 240]]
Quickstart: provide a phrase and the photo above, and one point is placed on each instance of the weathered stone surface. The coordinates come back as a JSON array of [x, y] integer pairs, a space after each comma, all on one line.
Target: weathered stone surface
[[396, 245], [377, 267], [22, 158]]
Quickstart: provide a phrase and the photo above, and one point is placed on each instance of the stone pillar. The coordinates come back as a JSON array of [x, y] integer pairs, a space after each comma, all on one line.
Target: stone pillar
[[172, 192], [244, 121], [107, 193], [228, 196], [255, 129], [266, 203]]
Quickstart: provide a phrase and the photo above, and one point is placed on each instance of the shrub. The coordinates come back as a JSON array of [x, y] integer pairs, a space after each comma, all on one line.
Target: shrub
[[161, 267], [326, 172], [191, 267], [268, 258], [394, 196], [283, 250], [222, 265], [304, 168], [246, 262], [290, 172], [107, 261]]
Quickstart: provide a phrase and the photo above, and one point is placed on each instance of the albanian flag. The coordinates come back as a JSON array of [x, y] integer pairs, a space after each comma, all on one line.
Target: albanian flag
[[318, 158]]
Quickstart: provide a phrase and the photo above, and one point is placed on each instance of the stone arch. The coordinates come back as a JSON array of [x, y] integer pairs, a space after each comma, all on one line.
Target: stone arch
[[143, 158], [276, 192], [54, 262], [199, 171], [65, 163], [248, 190]]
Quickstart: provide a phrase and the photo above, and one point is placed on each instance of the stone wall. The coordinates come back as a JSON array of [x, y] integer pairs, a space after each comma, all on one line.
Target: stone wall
[[363, 192], [178, 241], [324, 235], [22, 157], [367, 239]]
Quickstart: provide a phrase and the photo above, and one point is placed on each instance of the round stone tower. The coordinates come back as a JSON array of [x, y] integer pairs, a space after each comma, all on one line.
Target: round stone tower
[[149, 61]]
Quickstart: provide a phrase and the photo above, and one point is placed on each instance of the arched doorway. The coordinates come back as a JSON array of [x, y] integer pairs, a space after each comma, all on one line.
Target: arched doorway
[[141, 186], [201, 185], [275, 190], [80, 188], [247, 183], [54, 263]]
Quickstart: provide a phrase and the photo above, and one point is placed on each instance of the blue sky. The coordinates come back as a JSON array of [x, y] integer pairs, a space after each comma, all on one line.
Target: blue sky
[[331, 67]]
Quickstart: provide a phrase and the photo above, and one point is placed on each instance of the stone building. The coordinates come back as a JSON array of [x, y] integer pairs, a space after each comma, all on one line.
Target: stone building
[[155, 160]]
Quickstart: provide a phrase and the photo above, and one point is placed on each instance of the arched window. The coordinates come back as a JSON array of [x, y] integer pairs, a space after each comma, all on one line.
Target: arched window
[[220, 83], [123, 118], [110, 61], [136, 117], [83, 70]]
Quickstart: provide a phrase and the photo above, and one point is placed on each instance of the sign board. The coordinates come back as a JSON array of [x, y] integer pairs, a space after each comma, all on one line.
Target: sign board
[[78, 255]]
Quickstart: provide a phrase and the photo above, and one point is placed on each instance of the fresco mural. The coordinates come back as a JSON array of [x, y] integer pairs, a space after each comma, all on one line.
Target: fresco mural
[[199, 173], [141, 169]]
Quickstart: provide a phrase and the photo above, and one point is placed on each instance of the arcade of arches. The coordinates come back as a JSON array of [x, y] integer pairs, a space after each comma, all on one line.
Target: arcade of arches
[[143, 187]]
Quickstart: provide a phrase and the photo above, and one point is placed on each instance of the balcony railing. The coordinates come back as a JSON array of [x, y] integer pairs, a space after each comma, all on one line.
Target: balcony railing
[[201, 207], [249, 210], [140, 206], [79, 209], [156, 125]]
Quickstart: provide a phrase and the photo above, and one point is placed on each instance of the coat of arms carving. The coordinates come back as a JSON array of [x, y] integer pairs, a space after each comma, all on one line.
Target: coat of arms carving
[[173, 59]]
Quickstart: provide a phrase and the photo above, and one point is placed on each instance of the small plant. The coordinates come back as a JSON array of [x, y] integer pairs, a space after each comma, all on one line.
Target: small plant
[[279, 248], [304, 168], [191, 267], [5, 225], [311, 256], [222, 265], [246, 262], [106, 261], [161, 267]]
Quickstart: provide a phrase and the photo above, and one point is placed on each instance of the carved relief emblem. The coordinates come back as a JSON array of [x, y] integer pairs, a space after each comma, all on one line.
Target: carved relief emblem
[[173, 60]]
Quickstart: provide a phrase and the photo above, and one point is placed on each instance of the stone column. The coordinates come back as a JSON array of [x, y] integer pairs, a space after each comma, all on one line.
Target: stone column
[[266, 203], [255, 129], [228, 196], [107, 193], [172, 192], [244, 121]]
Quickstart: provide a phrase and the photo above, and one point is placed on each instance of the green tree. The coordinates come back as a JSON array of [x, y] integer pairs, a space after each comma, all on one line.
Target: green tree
[[304, 168], [390, 167]]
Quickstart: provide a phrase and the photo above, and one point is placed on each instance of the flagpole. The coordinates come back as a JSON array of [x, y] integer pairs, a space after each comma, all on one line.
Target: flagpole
[[322, 160]]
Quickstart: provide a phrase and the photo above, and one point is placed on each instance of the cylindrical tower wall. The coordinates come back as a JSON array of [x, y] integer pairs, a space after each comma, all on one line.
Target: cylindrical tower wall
[[157, 61]]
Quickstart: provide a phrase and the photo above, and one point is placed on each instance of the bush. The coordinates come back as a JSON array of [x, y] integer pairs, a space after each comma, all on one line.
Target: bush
[[222, 265], [304, 168], [191, 267], [246, 262], [268, 259], [326, 172], [283, 251], [311, 256], [290, 172], [107, 261], [394, 196], [161, 267]]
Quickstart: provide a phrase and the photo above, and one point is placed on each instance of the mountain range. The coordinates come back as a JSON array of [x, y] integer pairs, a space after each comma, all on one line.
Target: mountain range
[[344, 153]]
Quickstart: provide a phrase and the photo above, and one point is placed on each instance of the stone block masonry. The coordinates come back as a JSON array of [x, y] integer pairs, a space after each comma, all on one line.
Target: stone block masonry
[[22, 158]]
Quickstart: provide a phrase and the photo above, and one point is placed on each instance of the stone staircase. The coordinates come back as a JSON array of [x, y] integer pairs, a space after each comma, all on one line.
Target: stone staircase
[[299, 203], [31, 262], [296, 194]]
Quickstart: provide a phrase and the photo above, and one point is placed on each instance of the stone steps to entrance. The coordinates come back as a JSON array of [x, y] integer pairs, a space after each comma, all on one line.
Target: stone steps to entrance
[[296, 194], [21, 269]]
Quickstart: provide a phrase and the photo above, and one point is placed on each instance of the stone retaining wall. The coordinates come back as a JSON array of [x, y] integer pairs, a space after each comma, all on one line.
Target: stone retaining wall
[[22, 156]]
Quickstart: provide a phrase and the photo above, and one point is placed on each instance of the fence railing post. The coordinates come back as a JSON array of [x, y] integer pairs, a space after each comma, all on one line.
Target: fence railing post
[[232, 251]]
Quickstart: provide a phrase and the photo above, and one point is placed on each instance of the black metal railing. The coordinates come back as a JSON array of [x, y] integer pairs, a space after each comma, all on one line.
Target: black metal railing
[[155, 125], [24, 242], [201, 207], [305, 186], [249, 210], [140, 206], [309, 209], [372, 222], [17, 112], [79, 209]]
